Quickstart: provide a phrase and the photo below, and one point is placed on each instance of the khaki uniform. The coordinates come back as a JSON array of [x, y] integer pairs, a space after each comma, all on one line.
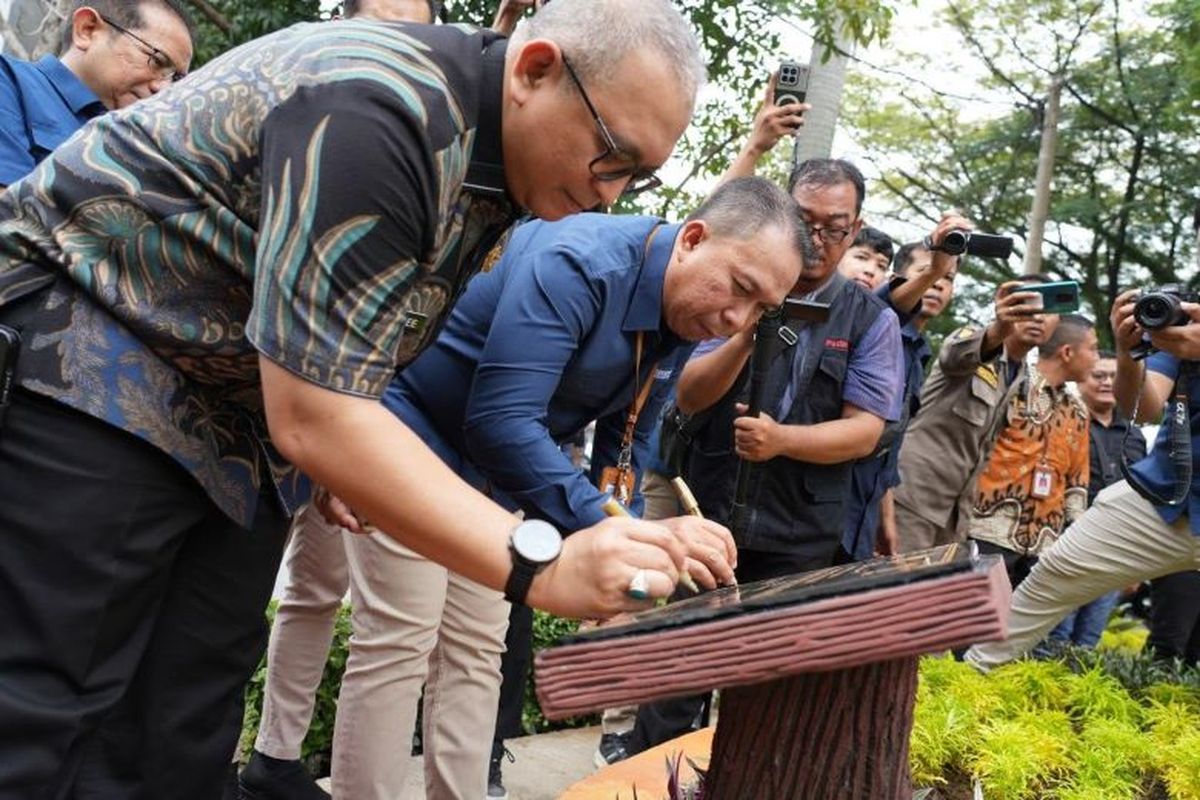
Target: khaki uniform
[[962, 406]]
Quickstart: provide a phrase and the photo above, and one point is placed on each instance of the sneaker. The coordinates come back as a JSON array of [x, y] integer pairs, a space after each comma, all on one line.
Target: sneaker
[[266, 778], [495, 788], [613, 748]]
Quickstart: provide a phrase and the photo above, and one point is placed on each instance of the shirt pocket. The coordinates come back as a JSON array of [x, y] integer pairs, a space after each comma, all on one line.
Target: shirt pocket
[[980, 398]]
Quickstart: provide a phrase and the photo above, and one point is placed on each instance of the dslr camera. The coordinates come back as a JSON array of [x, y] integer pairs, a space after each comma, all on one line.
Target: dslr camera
[[985, 245], [1162, 307]]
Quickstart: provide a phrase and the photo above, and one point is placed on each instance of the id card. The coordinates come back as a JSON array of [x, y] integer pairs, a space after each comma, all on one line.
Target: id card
[[1043, 481], [618, 483]]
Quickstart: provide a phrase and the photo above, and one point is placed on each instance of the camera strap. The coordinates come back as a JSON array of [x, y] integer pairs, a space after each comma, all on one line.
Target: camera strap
[[1179, 440]]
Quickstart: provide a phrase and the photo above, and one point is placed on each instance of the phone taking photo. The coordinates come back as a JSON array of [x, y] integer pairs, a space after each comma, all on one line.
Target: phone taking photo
[[1057, 297], [792, 84]]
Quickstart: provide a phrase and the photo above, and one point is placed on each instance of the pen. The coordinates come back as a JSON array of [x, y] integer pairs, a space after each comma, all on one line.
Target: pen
[[688, 501], [614, 509]]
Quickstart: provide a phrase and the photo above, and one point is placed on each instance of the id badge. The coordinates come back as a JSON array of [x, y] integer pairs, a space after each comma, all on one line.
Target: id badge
[[1043, 481], [618, 483]]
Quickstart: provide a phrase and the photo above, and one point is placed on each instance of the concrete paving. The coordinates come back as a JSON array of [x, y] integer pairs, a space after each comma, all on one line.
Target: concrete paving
[[544, 766]]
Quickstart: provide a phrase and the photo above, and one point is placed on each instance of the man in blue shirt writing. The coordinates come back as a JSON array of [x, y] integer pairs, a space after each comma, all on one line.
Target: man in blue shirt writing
[[115, 53], [1129, 534], [568, 327]]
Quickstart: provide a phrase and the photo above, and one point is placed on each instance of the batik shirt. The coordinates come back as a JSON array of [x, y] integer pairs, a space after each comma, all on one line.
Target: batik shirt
[[299, 197], [1047, 430]]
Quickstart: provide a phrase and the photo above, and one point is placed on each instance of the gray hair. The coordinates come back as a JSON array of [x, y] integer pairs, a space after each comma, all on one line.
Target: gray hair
[[744, 206], [597, 34]]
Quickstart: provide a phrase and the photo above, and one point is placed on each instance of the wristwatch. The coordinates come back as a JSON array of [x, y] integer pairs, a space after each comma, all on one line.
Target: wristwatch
[[533, 544]]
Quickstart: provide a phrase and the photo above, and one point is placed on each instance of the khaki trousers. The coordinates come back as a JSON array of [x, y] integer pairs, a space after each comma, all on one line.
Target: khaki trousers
[[416, 623], [1120, 540], [917, 533], [300, 638]]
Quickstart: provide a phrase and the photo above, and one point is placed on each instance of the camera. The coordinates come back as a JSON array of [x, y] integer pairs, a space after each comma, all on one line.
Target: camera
[[1162, 307], [985, 245], [792, 84], [806, 310]]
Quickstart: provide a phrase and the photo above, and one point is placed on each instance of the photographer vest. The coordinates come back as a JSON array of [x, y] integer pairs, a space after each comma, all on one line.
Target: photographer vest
[[795, 506]]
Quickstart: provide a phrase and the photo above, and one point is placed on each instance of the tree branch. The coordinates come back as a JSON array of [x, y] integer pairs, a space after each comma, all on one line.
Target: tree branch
[[213, 15]]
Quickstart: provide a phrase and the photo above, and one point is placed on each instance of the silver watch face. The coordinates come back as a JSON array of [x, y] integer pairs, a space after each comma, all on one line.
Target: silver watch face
[[537, 540]]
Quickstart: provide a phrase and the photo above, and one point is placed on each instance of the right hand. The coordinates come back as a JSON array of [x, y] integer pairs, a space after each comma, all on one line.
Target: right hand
[[592, 575], [1013, 305], [772, 122], [1126, 331]]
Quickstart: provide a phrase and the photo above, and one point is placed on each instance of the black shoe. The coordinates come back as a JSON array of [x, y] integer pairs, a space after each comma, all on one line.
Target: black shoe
[[266, 778], [495, 789], [229, 790], [613, 747]]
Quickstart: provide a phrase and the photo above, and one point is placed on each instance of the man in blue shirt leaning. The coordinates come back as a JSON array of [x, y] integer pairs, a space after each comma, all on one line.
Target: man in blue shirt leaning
[[567, 328], [115, 52], [1124, 537]]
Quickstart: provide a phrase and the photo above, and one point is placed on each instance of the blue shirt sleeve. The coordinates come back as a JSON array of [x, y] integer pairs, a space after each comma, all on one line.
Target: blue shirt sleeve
[[1163, 364], [549, 300], [875, 372], [15, 159]]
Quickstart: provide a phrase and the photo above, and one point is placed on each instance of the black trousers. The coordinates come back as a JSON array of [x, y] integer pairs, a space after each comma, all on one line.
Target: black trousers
[[662, 721], [1018, 565], [132, 613], [514, 672], [1175, 617]]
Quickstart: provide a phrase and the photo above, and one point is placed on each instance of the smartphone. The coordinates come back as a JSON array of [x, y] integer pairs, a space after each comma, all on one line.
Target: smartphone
[[10, 346], [1059, 297], [806, 310], [792, 84]]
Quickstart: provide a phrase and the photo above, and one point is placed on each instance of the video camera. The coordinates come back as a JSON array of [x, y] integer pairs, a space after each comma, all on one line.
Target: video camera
[[1163, 307], [985, 245]]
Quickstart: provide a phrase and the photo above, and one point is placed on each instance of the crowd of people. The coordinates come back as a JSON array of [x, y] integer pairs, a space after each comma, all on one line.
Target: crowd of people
[[340, 299]]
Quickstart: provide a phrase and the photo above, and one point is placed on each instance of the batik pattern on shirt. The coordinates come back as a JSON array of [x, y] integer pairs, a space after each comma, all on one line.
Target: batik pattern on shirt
[[299, 197]]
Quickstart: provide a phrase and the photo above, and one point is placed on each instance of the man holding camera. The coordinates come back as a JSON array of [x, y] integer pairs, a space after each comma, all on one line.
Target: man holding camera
[[1140, 528], [977, 371]]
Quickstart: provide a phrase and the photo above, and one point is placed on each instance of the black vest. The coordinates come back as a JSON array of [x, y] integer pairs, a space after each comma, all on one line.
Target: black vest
[[795, 506]]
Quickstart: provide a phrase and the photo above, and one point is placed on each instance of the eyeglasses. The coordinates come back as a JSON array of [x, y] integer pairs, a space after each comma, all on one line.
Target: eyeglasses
[[640, 179], [830, 235], [158, 59]]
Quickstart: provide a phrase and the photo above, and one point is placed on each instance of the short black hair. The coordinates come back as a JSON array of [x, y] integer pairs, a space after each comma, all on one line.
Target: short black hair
[[875, 239], [904, 256], [742, 207], [829, 172], [1107, 354], [126, 13], [350, 9], [1070, 330]]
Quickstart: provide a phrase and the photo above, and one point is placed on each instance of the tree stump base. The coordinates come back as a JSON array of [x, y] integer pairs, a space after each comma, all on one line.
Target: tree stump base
[[848, 729]]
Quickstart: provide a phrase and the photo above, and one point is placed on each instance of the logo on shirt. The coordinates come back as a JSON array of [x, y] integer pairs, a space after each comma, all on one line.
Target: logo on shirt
[[841, 345]]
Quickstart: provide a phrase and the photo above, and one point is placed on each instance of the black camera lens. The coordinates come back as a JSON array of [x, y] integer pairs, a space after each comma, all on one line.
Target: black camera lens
[[1157, 310], [955, 242]]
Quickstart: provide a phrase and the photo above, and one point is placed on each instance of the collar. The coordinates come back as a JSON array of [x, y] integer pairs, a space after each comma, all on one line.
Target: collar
[[485, 174], [645, 305], [73, 91]]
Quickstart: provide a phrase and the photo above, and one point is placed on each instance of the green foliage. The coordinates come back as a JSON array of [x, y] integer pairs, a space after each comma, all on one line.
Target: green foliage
[[246, 20], [548, 629], [1090, 725]]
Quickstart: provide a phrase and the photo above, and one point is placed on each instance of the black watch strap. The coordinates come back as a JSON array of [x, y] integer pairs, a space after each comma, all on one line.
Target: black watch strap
[[519, 580]]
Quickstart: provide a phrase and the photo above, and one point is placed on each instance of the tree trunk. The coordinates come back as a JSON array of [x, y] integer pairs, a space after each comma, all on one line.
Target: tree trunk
[[818, 736]]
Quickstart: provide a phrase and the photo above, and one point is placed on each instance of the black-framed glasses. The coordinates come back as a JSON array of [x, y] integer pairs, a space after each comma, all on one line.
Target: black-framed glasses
[[830, 235], [158, 59], [640, 179]]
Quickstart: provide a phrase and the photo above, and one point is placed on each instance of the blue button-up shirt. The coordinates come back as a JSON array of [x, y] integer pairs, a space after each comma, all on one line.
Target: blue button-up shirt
[[1155, 470], [41, 104], [537, 348]]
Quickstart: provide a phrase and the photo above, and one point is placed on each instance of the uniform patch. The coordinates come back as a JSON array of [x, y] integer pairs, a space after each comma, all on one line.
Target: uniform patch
[[988, 375], [842, 345], [965, 332]]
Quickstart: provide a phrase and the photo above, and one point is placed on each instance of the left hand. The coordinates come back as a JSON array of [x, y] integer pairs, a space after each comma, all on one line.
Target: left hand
[[756, 438], [1181, 341], [712, 555]]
